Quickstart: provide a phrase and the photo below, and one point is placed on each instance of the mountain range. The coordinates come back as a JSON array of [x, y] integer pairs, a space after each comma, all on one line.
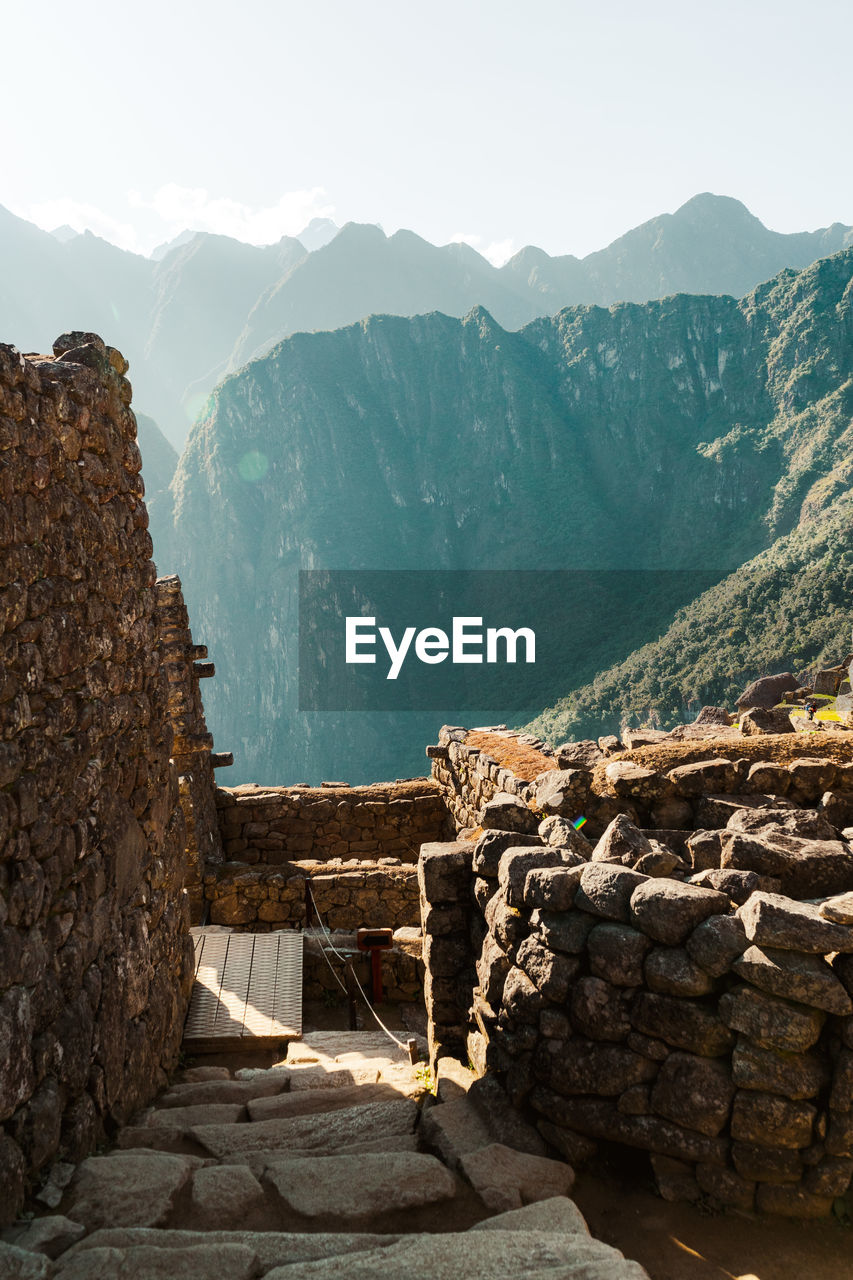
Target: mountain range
[[203, 305], [694, 432]]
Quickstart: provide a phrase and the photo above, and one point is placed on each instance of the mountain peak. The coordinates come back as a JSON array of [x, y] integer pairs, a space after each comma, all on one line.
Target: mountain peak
[[706, 207]]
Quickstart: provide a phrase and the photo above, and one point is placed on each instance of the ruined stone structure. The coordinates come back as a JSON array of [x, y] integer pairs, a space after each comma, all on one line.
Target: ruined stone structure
[[686, 991], [95, 962], [357, 846], [192, 746], [272, 825]]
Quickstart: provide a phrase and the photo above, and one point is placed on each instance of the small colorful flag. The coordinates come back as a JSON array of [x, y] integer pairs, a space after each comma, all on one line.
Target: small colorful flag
[[578, 823]]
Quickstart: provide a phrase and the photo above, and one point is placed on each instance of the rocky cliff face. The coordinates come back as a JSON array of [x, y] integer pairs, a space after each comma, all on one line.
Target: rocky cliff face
[[686, 433], [205, 305]]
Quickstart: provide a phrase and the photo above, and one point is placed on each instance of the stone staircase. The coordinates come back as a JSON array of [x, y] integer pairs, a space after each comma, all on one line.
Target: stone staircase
[[335, 1159]]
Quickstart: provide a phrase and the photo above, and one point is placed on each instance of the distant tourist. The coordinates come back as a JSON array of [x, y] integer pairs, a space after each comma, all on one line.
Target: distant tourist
[[811, 708]]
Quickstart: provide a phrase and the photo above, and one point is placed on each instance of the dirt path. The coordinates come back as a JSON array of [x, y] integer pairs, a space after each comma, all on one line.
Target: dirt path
[[680, 1242]]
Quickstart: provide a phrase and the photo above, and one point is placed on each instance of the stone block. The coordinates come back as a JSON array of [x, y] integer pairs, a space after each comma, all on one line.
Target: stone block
[[600, 1118], [616, 953], [350, 1187], [669, 911], [128, 1188], [793, 1075], [566, 931], [684, 1024], [515, 865], [716, 943], [807, 979], [760, 1163], [606, 891], [670, 971], [505, 812], [770, 1022], [552, 888], [676, 1180], [771, 920], [694, 1092], [505, 1179], [491, 847], [622, 841], [580, 1066], [551, 971], [792, 1202], [600, 1010], [769, 1120], [727, 1187], [522, 999]]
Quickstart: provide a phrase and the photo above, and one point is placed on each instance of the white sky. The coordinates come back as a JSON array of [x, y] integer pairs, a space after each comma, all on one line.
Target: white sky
[[560, 123]]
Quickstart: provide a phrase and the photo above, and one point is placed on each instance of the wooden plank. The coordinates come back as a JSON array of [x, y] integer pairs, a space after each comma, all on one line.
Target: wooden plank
[[247, 989]]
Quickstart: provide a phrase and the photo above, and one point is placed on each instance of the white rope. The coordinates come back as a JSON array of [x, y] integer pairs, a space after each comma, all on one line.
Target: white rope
[[323, 951], [346, 961]]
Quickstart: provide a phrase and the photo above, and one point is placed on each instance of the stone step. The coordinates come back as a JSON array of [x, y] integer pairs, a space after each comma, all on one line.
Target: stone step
[[546, 1240], [325, 1131], [343, 1046], [304, 1102], [271, 1248], [262, 1084], [358, 1071], [353, 1188]]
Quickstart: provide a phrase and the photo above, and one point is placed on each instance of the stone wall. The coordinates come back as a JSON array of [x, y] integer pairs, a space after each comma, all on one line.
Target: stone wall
[[95, 961], [323, 972], [699, 794], [184, 665], [663, 987], [257, 898], [275, 825]]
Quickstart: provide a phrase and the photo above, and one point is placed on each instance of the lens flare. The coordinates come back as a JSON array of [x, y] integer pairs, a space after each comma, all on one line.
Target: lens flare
[[253, 466]]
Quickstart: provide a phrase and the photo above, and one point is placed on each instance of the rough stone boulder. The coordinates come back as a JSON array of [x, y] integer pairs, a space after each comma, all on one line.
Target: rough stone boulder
[[806, 978], [716, 775], [552, 888], [668, 911], [838, 909], [605, 890], [561, 791], [805, 868], [314, 1133], [622, 841], [491, 847], [771, 920], [579, 755], [505, 812], [766, 720], [793, 822], [770, 1022], [636, 781], [515, 865], [559, 831], [713, 715], [767, 691]]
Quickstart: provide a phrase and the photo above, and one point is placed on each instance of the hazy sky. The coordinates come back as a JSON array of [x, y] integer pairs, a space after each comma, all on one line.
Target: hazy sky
[[560, 123]]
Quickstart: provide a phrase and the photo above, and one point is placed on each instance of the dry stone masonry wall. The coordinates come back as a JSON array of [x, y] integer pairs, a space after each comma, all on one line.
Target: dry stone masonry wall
[[184, 665], [95, 961], [356, 847], [684, 989], [274, 825]]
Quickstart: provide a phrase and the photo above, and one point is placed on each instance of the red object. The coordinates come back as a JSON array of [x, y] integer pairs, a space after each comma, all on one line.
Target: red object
[[375, 941], [376, 973]]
